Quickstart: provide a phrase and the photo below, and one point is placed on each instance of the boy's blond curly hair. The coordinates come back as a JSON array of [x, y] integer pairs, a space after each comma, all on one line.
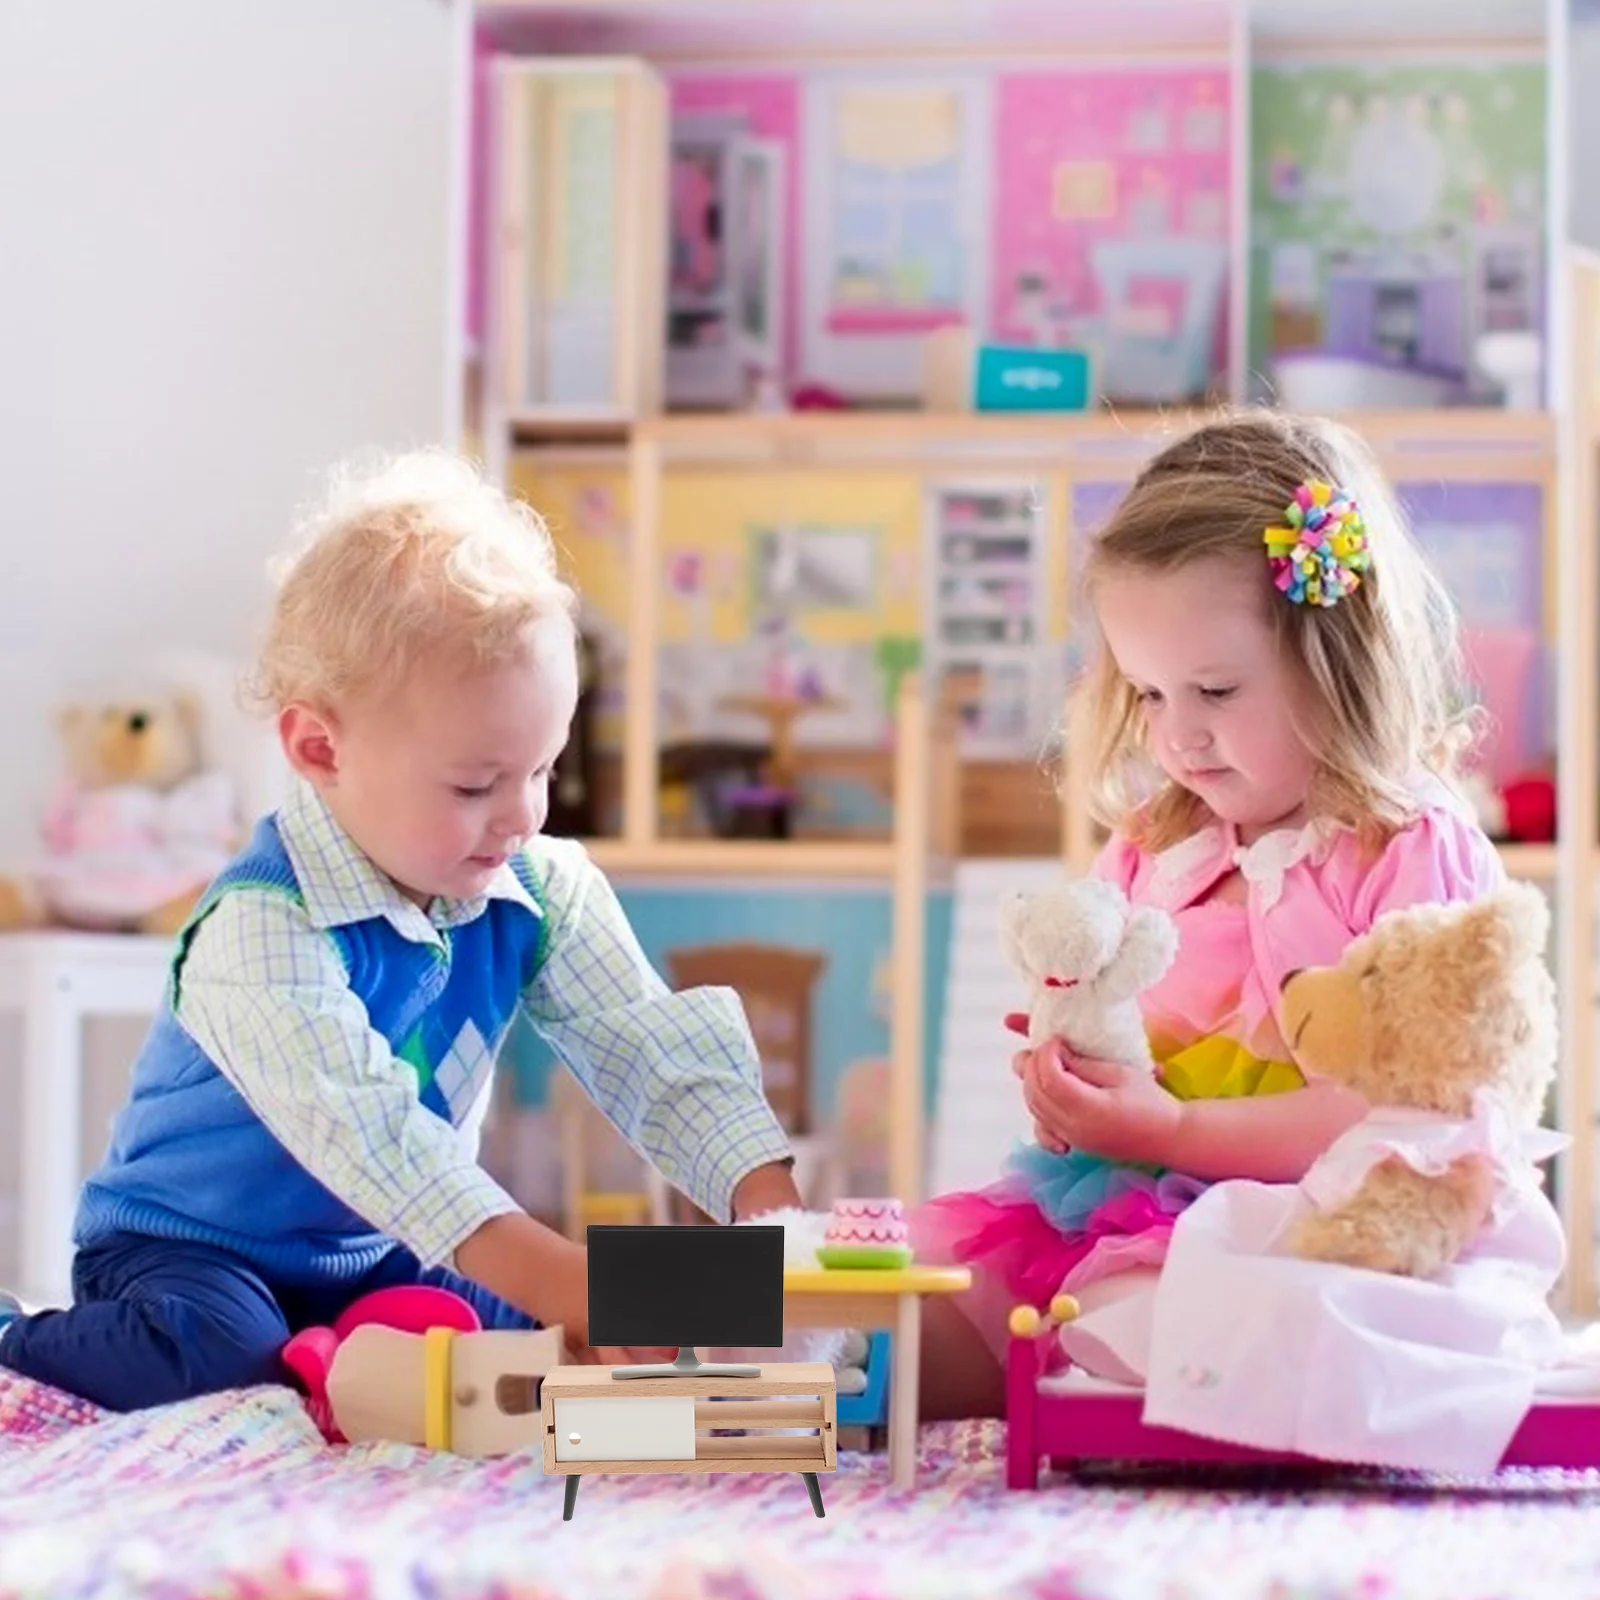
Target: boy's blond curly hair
[[415, 558], [1383, 665]]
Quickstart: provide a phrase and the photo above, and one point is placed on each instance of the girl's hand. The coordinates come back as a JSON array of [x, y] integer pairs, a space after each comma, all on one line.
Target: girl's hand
[[1116, 1111], [1024, 1064]]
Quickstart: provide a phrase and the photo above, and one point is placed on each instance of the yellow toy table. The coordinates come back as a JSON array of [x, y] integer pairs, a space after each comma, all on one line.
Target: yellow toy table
[[865, 1298]]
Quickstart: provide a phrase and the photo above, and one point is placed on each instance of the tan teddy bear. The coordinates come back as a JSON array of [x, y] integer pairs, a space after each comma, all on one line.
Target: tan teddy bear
[[1444, 1018]]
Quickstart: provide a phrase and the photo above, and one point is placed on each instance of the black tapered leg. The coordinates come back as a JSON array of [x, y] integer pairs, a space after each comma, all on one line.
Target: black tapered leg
[[814, 1489], [572, 1497]]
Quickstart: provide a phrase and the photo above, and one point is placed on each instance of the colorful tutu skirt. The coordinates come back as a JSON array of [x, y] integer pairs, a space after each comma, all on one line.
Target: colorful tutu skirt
[[1056, 1222]]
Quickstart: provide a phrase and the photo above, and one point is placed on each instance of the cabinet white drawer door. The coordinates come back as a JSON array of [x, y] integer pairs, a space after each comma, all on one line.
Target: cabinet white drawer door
[[642, 1428]]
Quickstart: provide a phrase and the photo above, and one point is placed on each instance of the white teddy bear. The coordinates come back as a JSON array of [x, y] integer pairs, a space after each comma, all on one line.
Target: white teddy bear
[[1087, 956]]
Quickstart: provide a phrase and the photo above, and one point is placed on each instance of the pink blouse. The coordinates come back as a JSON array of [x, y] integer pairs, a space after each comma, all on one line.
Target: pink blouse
[[1308, 892]]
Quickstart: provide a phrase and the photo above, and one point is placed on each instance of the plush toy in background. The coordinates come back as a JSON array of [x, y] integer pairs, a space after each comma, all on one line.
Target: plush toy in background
[[138, 826], [1087, 956], [1530, 806], [1444, 1018]]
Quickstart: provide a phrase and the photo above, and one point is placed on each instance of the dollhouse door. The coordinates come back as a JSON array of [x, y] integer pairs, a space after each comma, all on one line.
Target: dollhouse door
[[579, 237], [724, 291], [758, 256]]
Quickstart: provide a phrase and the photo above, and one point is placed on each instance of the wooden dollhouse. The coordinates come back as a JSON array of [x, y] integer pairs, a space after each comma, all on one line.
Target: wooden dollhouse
[[722, 240]]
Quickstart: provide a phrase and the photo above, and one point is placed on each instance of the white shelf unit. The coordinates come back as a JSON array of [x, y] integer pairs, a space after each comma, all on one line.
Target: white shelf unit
[[985, 611]]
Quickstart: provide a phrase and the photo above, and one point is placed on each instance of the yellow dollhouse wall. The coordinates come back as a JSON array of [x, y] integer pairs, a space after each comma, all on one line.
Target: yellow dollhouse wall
[[711, 521]]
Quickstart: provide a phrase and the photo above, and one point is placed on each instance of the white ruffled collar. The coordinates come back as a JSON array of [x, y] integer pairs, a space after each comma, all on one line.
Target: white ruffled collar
[[1188, 868]]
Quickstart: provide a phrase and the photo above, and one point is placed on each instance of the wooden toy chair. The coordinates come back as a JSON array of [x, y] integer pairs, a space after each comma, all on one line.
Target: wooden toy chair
[[775, 984]]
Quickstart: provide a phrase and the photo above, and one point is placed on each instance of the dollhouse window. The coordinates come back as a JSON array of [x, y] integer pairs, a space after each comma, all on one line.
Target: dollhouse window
[[896, 201], [895, 241]]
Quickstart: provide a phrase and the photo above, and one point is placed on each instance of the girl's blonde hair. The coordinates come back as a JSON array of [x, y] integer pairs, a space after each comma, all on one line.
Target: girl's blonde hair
[[416, 558], [1383, 665]]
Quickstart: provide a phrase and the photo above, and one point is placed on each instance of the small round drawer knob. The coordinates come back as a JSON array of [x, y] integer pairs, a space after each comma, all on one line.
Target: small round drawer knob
[[574, 1438], [466, 1395]]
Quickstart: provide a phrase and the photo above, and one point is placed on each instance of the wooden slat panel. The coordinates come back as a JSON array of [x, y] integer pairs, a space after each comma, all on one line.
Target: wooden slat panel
[[806, 1448], [783, 1378], [756, 1413]]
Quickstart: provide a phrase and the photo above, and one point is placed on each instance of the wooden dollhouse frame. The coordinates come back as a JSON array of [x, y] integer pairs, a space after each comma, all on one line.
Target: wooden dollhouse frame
[[1553, 449]]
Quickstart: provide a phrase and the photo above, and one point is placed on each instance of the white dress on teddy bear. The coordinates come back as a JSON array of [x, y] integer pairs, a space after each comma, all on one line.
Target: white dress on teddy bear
[[115, 853], [1237, 1339]]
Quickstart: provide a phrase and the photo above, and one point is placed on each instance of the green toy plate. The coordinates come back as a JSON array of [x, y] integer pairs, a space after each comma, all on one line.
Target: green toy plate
[[887, 1257]]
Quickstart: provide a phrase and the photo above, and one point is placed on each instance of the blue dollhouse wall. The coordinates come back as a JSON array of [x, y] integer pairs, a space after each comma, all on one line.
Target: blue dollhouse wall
[[848, 923]]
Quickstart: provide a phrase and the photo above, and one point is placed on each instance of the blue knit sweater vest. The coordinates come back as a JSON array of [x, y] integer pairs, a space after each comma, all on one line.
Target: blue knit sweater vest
[[188, 1158]]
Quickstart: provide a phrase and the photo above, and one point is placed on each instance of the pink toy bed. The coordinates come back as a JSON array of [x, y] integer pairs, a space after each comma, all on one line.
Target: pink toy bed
[[1066, 1415]]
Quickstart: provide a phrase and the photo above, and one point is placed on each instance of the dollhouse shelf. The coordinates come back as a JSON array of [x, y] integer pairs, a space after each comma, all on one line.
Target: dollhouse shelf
[[941, 30], [540, 428], [1535, 862], [1456, 445], [754, 858], [758, 437], [802, 858]]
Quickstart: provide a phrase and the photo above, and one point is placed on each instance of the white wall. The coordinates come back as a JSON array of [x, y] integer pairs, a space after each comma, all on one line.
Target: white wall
[[223, 262]]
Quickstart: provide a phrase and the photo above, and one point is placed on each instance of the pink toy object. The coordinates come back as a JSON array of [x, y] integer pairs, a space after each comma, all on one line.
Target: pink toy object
[[411, 1308], [866, 1233], [116, 853], [1064, 1417]]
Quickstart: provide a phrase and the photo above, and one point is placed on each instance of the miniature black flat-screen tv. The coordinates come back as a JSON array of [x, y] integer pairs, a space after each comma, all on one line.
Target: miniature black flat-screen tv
[[686, 1286]]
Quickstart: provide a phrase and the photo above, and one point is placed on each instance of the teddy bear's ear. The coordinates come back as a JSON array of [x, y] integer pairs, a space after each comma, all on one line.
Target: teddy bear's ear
[[1522, 917], [1013, 915], [1011, 909], [187, 704], [1149, 943], [75, 728], [1502, 931]]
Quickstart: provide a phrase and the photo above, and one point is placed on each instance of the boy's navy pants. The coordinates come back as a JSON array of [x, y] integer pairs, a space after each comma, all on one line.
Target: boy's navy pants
[[156, 1320]]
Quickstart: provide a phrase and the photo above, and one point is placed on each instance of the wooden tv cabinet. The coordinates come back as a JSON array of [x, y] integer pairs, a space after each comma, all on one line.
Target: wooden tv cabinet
[[593, 1422]]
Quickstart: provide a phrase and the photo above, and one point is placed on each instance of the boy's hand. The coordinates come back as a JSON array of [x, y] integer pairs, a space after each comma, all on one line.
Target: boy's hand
[[768, 1188], [568, 1300], [546, 1275]]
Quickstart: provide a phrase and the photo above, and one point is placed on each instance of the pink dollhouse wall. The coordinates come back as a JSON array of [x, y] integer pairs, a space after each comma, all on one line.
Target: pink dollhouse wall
[[1085, 157]]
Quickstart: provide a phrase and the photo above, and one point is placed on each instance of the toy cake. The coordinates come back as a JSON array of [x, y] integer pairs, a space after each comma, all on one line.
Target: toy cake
[[866, 1233]]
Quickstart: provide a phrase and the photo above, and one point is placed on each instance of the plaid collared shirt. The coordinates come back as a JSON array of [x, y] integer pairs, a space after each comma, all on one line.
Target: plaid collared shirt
[[265, 995]]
